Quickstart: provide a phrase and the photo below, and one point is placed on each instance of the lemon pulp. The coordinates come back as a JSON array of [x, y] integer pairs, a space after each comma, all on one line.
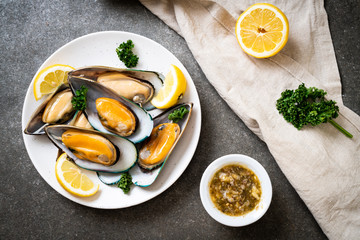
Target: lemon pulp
[[262, 30], [49, 79], [173, 89], [72, 179]]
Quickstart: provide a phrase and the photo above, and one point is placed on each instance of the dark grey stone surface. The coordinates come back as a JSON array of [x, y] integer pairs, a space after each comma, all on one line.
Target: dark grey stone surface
[[30, 209]]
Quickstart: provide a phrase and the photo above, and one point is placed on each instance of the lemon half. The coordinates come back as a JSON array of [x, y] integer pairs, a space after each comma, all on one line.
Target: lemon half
[[50, 78], [72, 179], [173, 89], [262, 30]]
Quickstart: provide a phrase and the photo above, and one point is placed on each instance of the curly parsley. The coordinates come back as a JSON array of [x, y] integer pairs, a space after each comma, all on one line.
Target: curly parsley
[[178, 114], [125, 54], [308, 106], [125, 182], [79, 100]]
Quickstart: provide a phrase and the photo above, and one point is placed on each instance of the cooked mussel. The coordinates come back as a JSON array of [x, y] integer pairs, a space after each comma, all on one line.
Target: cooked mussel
[[157, 148], [93, 150], [115, 116], [128, 87], [56, 109], [159, 144], [136, 85], [90, 146], [59, 109]]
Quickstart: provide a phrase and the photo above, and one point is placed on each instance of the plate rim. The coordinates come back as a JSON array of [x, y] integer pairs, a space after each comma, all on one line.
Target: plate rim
[[161, 189]]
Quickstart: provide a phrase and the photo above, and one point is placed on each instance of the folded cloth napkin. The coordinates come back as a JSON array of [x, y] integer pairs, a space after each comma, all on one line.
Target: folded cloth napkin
[[320, 162]]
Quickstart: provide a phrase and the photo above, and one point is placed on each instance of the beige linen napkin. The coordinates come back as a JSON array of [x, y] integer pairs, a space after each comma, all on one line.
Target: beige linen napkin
[[321, 163]]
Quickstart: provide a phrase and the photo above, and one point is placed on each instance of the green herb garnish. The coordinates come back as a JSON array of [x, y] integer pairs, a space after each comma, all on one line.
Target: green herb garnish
[[125, 54], [125, 182], [79, 100], [178, 114], [308, 106]]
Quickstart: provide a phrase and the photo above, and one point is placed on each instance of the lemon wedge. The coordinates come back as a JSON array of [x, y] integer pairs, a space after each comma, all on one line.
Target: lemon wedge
[[72, 179], [50, 78], [173, 89], [262, 30]]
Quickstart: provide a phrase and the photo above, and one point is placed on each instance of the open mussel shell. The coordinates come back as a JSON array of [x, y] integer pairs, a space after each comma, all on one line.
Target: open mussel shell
[[138, 86], [36, 124], [163, 119], [126, 151], [96, 91], [145, 178]]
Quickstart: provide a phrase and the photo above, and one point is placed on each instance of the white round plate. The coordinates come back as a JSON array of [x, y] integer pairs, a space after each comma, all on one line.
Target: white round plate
[[99, 49]]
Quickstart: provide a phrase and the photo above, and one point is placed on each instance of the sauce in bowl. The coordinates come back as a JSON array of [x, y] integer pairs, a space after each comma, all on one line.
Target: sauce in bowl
[[235, 190]]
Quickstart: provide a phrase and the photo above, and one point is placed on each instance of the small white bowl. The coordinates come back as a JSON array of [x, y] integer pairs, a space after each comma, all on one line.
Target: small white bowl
[[266, 189]]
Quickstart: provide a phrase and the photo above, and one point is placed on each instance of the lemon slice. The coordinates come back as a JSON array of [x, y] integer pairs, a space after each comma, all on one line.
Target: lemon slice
[[262, 30], [50, 78], [72, 179], [173, 89]]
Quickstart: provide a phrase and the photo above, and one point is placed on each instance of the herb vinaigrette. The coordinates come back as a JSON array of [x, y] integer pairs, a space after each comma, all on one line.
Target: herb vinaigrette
[[235, 190]]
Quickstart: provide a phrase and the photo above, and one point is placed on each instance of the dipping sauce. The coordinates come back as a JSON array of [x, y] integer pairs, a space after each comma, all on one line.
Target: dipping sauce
[[235, 190]]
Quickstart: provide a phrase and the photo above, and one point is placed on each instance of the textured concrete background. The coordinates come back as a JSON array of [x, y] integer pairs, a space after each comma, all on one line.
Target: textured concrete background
[[29, 208]]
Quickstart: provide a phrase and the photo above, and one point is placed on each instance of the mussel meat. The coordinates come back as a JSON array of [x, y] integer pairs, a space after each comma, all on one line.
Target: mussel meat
[[115, 116], [92, 150], [56, 109], [90, 146], [81, 121], [59, 109], [160, 143], [128, 87], [138, 86]]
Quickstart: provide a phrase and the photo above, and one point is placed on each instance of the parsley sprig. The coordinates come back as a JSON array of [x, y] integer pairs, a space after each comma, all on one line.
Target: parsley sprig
[[125, 182], [308, 106], [126, 55], [178, 114], [79, 100]]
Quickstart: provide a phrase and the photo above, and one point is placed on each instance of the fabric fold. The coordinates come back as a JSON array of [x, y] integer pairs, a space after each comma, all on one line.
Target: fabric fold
[[320, 162]]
